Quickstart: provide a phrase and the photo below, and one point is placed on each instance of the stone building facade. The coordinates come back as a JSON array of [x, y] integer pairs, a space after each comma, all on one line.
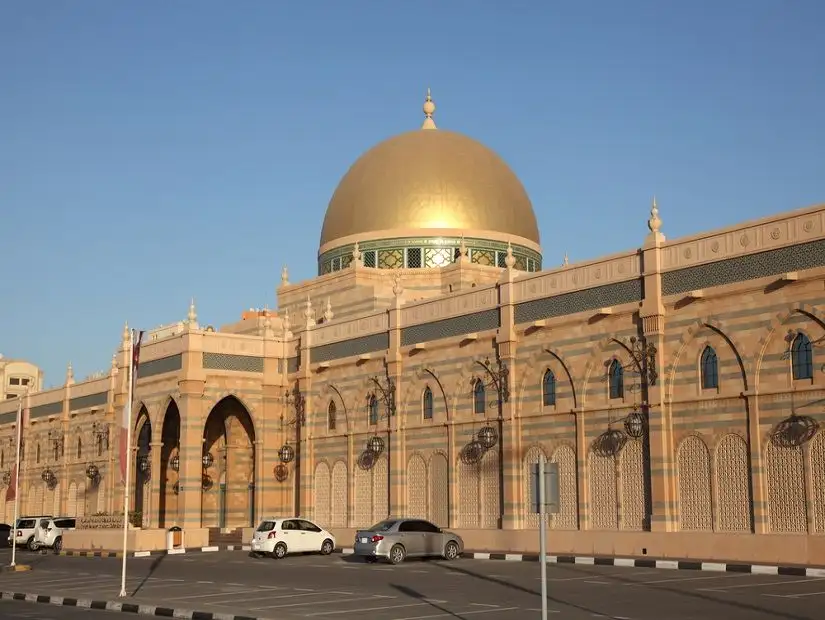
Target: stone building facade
[[678, 386]]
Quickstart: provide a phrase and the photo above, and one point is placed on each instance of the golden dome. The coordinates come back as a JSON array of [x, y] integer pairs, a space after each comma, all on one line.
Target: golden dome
[[429, 179]]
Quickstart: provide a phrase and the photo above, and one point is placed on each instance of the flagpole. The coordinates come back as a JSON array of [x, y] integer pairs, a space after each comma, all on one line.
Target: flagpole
[[17, 481], [127, 482]]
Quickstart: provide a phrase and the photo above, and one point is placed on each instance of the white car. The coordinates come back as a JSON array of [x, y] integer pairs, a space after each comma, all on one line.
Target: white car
[[278, 537], [24, 532], [49, 533]]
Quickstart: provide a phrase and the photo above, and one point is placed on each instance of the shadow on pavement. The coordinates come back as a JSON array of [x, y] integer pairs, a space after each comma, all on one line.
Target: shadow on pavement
[[155, 565], [671, 590], [413, 594]]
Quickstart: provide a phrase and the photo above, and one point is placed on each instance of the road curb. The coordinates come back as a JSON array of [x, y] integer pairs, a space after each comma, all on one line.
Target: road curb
[[146, 554], [694, 565], [129, 608]]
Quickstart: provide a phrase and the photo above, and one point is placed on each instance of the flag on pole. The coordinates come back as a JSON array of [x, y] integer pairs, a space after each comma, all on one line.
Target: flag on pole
[[11, 490], [126, 416]]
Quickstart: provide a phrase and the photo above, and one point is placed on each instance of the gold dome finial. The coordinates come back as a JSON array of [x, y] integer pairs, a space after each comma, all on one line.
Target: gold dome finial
[[429, 110]]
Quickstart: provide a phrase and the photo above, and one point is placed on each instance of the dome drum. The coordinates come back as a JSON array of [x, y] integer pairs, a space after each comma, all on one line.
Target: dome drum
[[427, 253]]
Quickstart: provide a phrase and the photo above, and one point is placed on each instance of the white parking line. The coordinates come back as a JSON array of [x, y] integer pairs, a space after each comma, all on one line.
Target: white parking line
[[803, 595], [182, 598], [760, 585], [458, 614], [718, 577], [316, 602], [362, 609]]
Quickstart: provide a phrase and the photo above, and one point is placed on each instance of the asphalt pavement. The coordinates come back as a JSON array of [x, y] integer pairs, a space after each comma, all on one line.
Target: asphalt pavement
[[13, 610], [341, 587]]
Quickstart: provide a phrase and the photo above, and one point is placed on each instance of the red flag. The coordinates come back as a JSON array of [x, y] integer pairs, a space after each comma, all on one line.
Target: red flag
[[125, 420], [11, 490]]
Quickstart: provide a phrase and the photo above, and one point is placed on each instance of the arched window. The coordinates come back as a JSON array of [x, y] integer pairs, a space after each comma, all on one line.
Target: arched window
[[100, 446], [802, 357], [56, 452], [548, 389], [479, 401], [616, 378], [373, 410], [710, 369], [79, 448], [2, 459], [427, 404], [331, 416], [37, 454]]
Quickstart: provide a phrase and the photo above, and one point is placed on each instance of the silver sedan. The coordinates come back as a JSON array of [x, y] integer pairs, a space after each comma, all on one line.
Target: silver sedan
[[397, 539]]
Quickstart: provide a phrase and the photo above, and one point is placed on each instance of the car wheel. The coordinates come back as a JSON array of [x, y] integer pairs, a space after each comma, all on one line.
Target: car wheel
[[279, 551], [58, 544], [397, 554], [451, 550], [31, 545], [327, 547]]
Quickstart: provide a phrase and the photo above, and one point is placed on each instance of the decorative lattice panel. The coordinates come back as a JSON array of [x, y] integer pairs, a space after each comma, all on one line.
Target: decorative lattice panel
[[817, 474], [390, 259], [733, 495], [101, 495], [531, 458], [603, 507], [322, 494], [633, 487], [568, 516], [448, 328], [37, 499], [380, 491], [340, 497], [416, 487], [695, 496], [786, 489], [468, 495], [363, 498], [490, 496], [81, 499], [56, 500], [439, 487]]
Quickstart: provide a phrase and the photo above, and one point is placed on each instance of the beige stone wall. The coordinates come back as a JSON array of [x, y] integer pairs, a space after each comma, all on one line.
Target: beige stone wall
[[707, 480]]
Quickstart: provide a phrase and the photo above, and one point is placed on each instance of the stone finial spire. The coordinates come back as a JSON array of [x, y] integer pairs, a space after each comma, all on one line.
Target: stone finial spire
[[69, 374], [655, 222], [357, 258], [126, 336], [114, 363], [397, 287], [309, 312], [510, 260], [287, 334], [284, 276], [429, 110], [328, 313], [566, 260], [192, 315]]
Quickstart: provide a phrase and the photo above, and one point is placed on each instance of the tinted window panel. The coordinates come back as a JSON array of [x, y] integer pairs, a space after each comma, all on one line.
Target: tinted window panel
[[382, 526], [266, 526]]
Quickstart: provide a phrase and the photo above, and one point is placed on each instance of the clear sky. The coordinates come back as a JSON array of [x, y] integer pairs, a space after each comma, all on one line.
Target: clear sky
[[152, 152]]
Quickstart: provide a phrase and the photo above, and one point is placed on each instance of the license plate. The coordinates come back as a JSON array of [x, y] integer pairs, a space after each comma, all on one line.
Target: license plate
[[365, 540]]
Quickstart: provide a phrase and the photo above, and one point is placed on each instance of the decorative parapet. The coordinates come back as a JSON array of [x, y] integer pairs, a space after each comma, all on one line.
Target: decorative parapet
[[232, 344], [570, 278], [327, 333], [757, 236], [449, 306], [165, 331]]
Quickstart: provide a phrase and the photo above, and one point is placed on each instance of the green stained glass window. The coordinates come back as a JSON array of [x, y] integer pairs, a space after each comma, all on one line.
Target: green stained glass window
[[346, 261], [414, 258], [437, 257], [521, 263], [483, 257], [390, 259]]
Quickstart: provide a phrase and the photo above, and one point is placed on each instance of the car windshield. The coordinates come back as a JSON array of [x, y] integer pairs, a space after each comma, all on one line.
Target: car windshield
[[266, 526], [382, 526]]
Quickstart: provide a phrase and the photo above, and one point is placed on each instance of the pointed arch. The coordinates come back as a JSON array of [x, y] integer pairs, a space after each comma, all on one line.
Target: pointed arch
[[597, 366], [332, 416], [615, 378], [330, 394], [479, 398], [412, 402], [548, 388], [777, 324], [802, 357], [561, 371], [373, 410], [717, 328]]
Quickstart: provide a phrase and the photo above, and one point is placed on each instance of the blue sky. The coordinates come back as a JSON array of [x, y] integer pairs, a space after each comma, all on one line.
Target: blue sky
[[157, 151]]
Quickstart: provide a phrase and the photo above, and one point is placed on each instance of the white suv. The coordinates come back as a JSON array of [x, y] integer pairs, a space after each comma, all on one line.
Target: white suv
[[277, 537], [49, 534], [24, 531]]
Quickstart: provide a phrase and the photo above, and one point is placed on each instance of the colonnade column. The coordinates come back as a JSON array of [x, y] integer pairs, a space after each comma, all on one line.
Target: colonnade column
[[759, 501], [396, 445], [151, 517], [190, 406]]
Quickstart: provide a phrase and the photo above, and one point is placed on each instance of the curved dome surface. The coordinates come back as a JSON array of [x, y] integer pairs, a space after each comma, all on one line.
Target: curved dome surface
[[429, 179]]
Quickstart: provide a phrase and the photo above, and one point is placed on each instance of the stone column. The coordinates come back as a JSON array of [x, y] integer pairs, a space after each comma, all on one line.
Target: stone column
[[660, 434], [151, 517], [759, 499], [191, 448], [396, 445], [513, 503]]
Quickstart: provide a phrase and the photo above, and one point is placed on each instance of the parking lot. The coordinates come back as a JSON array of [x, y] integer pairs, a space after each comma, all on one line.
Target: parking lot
[[342, 587]]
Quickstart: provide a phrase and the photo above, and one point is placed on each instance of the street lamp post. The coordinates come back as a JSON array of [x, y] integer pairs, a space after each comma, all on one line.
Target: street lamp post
[[287, 453], [385, 393], [496, 376]]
